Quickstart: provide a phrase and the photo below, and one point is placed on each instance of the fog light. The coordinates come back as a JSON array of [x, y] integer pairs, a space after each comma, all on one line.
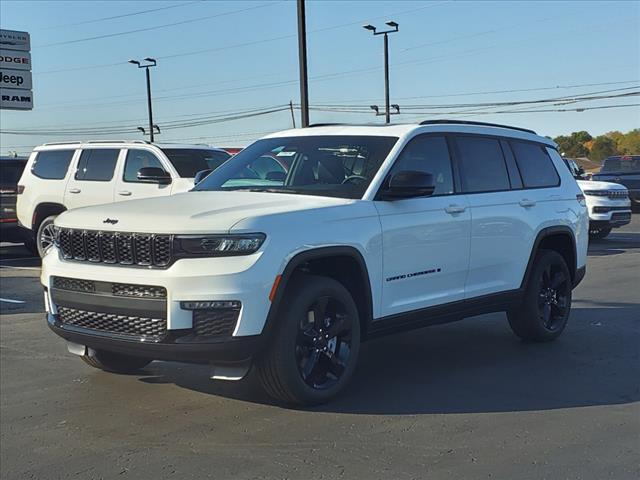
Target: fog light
[[201, 305]]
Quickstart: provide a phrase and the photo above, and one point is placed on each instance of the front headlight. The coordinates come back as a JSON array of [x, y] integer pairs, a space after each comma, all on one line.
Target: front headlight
[[217, 245], [596, 193]]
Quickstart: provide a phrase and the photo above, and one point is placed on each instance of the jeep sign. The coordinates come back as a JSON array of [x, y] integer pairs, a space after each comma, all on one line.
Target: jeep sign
[[15, 71]]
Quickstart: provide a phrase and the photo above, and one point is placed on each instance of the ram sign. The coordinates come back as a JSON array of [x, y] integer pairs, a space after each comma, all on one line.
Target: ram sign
[[15, 71]]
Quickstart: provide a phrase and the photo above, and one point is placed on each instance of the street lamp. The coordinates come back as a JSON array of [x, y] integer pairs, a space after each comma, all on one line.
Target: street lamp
[[394, 28], [151, 62]]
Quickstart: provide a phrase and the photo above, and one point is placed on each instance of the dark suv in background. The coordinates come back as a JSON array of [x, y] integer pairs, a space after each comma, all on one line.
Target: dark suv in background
[[625, 170], [10, 171]]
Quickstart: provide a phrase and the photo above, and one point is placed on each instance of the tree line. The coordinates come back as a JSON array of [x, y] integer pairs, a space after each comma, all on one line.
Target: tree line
[[582, 144]]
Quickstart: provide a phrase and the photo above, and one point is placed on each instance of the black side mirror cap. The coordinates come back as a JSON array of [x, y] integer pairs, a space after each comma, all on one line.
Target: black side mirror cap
[[409, 184], [201, 175], [154, 175]]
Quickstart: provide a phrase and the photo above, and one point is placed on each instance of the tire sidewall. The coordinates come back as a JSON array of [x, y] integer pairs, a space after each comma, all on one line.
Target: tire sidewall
[[47, 221], [297, 303]]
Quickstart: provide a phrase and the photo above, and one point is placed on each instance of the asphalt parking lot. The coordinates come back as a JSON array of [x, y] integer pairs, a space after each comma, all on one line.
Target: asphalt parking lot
[[464, 400]]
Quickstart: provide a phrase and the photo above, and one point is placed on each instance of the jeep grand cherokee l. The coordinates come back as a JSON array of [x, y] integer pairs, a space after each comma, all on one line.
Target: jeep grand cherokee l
[[373, 230]]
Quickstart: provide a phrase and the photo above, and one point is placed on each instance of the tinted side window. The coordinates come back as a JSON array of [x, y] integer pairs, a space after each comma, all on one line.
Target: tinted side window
[[535, 165], [97, 165], [430, 154], [482, 165], [52, 164], [137, 159]]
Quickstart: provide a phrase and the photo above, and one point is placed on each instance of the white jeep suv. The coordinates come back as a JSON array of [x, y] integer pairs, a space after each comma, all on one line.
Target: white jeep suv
[[608, 203], [63, 176], [310, 241]]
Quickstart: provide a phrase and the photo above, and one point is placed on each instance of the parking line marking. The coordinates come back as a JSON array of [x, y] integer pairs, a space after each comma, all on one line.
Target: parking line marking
[[9, 300]]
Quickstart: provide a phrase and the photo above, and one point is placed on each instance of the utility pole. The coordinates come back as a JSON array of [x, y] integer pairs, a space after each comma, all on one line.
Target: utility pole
[[151, 63], [394, 26], [302, 54], [293, 117]]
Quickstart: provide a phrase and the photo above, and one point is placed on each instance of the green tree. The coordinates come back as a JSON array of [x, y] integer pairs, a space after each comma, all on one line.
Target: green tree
[[570, 146], [627, 143], [581, 137], [603, 147]]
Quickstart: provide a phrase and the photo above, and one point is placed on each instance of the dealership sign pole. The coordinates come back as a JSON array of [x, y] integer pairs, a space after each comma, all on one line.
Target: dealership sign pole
[[16, 85]]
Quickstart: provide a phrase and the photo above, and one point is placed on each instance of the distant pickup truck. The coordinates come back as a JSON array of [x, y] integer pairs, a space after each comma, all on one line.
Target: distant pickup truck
[[626, 171]]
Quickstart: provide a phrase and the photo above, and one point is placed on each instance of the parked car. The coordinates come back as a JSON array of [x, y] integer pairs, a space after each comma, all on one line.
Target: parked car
[[10, 170], [373, 230], [608, 203], [63, 176], [625, 170]]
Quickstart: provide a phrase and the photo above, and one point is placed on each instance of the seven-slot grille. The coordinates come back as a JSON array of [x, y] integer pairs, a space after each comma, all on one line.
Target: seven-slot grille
[[618, 194], [141, 249]]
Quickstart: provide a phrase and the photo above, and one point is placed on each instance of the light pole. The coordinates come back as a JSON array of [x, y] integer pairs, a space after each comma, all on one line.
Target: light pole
[[151, 62], [394, 28], [302, 60]]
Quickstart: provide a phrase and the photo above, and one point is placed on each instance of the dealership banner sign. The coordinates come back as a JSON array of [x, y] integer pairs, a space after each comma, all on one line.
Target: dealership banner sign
[[16, 84]]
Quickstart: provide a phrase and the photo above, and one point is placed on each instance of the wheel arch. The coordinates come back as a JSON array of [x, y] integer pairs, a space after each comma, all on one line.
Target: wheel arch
[[354, 276], [44, 210], [559, 238]]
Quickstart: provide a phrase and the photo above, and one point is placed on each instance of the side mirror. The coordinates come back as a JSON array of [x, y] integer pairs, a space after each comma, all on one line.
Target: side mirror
[[201, 175], [154, 175], [409, 184]]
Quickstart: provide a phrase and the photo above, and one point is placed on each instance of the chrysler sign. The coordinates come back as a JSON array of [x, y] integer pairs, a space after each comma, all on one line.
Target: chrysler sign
[[15, 70]]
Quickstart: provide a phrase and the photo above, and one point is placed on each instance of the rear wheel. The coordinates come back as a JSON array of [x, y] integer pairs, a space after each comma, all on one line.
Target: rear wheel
[[45, 235], [544, 312], [314, 348], [115, 362], [598, 233]]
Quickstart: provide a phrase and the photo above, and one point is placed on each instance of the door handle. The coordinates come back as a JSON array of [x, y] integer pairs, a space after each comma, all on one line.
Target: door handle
[[74, 190], [124, 193], [527, 203], [453, 209]]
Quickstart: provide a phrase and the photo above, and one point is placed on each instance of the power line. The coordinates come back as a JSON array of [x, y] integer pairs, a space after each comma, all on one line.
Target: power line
[[114, 17], [156, 27]]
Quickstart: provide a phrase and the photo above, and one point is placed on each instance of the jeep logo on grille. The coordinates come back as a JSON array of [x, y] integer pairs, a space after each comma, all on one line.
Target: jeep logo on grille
[[112, 221]]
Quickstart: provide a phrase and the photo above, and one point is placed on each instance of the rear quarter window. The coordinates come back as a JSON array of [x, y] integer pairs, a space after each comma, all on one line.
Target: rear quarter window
[[52, 164], [535, 165]]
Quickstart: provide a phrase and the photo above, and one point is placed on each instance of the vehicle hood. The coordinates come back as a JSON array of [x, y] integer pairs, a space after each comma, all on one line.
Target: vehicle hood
[[190, 212], [597, 185]]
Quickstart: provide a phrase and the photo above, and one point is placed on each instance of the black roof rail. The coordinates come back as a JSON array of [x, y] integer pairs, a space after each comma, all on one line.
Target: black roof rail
[[350, 125], [471, 122]]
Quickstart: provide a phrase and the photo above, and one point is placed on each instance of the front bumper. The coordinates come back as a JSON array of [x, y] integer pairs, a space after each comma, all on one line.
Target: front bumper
[[178, 346]]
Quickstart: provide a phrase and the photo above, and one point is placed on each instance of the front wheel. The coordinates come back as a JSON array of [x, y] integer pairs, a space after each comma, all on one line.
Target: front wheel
[[544, 312], [598, 233], [115, 362], [314, 348]]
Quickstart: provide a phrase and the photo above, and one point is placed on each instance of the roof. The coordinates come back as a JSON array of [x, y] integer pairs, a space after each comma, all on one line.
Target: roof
[[402, 130], [124, 143]]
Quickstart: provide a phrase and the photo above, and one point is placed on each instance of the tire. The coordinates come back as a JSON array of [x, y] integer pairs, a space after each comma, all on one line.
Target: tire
[[44, 238], [544, 312], [598, 233], [303, 363], [115, 362]]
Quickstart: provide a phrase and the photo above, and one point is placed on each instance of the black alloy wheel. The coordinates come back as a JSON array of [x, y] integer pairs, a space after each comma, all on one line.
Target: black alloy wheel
[[553, 298], [323, 346]]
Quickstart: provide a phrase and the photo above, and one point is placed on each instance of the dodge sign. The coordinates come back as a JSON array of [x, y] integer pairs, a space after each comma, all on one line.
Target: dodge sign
[[15, 71]]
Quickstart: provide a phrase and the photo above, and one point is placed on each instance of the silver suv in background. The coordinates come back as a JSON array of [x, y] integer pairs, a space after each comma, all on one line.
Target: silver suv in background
[[64, 176]]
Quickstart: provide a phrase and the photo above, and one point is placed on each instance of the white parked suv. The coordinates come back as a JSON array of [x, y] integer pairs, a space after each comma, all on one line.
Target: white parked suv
[[608, 203], [310, 241], [63, 176]]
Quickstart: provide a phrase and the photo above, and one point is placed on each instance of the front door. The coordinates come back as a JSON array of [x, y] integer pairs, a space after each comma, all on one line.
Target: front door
[[425, 240]]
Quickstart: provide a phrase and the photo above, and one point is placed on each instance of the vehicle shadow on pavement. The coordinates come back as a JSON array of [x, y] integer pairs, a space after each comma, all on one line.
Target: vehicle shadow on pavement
[[474, 366], [614, 244]]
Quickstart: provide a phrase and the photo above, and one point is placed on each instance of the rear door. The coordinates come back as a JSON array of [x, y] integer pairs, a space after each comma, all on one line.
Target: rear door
[[93, 181], [502, 225], [425, 240], [128, 186]]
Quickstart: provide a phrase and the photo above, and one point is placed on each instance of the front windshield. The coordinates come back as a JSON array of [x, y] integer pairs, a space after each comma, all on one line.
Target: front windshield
[[332, 166], [189, 161]]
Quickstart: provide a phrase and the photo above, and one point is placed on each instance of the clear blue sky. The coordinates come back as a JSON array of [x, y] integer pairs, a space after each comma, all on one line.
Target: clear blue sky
[[444, 48]]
